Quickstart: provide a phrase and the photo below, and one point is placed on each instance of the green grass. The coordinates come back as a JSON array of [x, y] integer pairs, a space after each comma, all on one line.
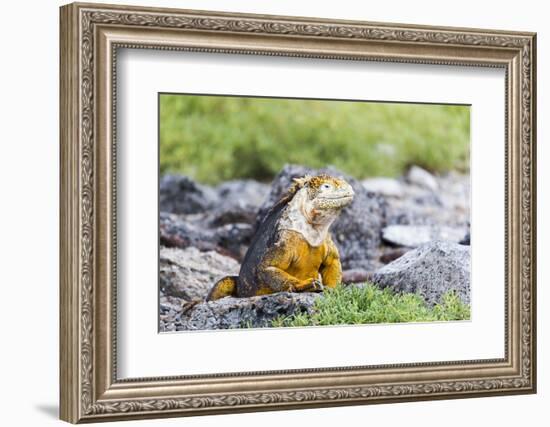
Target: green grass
[[213, 139], [352, 305]]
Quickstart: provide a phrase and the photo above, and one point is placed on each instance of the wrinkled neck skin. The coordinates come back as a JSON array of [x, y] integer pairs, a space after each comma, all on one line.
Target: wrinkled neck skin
[[302, 216]]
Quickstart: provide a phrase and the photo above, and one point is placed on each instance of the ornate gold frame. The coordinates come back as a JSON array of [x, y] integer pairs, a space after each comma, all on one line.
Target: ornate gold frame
[[90, 36]]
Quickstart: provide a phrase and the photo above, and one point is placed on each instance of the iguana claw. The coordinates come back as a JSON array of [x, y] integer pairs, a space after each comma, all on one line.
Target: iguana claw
[[317, 286]]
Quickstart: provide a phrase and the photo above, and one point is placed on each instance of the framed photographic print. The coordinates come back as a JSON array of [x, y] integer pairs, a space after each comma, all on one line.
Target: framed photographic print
[[266, 212]]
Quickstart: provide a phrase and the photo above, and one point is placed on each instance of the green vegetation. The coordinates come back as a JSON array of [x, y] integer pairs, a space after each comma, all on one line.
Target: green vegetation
[[369, 304], [213, 139]]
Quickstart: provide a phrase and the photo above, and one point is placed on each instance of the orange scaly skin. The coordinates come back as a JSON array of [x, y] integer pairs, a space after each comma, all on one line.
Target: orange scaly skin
[[292, 250], [294, 265]]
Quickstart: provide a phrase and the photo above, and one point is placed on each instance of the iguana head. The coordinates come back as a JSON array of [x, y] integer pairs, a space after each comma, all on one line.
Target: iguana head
[[322, 197]]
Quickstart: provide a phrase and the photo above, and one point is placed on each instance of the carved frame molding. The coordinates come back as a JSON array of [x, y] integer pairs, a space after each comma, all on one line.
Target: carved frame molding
[[90, 37]]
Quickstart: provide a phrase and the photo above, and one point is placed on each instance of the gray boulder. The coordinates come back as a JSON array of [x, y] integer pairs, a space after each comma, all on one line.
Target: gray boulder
[[430, 270], [388, 187], [181, 195], [254, 312], [448, 206], [189, 273], [358, 228], [415, 235], [422, 178]]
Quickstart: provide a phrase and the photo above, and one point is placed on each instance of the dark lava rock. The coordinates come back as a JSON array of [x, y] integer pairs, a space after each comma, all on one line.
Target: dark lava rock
[[245, 194], [356, 275], [254, 312], [225, 215], [170, 309], [190, 274], [177, 232], [239, 202], [391, 254], [358, 228], [235, 238], [182, 195], [430, 270], [466, 239], [181, 232]]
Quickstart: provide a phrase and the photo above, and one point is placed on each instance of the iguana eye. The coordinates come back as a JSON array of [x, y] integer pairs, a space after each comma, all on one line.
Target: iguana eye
[[326, 186]]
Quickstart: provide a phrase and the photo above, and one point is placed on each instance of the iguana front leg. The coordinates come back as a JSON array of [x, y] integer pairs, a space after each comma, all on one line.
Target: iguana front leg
[[331, 268], [272, 272], [279, 280]]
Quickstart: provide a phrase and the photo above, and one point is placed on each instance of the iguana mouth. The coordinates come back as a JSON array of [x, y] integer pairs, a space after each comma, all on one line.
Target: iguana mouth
[[333, 202]]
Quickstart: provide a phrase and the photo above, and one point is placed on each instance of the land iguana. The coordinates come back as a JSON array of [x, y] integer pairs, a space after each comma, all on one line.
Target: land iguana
[[292, 250]]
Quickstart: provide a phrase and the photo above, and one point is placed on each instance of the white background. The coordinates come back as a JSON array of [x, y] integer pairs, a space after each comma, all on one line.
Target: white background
[[141, 348], [29, 227]]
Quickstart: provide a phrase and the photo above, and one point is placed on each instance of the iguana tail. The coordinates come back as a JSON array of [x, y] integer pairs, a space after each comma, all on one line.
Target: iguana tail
[[223, 288]]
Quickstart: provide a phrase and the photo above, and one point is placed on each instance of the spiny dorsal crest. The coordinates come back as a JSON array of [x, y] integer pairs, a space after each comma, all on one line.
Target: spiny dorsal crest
[[313, 182]]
